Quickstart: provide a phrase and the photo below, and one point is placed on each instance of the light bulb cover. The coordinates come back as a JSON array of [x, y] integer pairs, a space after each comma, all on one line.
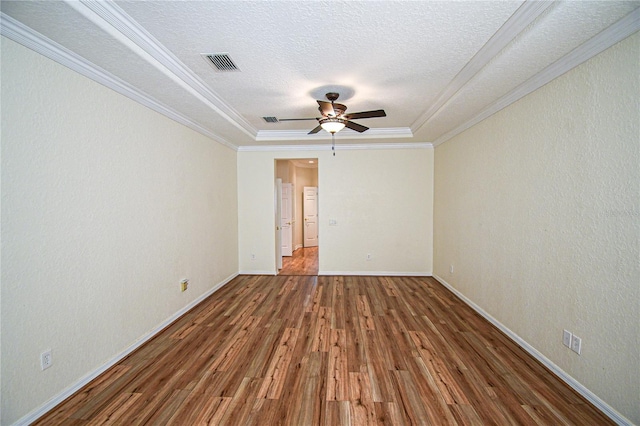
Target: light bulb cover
[[332, 124]]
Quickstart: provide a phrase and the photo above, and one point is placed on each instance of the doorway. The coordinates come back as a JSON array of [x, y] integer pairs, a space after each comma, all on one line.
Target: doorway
[[304, 261], [297, 248]]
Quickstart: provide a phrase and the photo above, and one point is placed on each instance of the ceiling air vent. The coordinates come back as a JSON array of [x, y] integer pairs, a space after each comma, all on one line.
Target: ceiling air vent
[[270, 119], [221, 61]]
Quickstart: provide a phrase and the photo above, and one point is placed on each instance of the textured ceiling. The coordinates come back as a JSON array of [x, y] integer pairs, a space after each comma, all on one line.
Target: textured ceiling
[[435, 67]]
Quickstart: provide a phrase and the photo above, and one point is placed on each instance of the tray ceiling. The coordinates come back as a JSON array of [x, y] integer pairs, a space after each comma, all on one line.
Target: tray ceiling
[[436, 68]]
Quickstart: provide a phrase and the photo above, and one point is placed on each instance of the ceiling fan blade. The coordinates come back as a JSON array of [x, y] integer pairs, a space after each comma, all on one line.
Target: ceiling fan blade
[[315, 130], [355, 126], [366, 114], [296, 119], [326, 108]]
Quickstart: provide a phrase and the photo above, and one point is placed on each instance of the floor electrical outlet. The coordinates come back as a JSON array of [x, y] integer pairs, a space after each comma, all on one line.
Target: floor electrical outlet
[[566, 338], [46, 359]]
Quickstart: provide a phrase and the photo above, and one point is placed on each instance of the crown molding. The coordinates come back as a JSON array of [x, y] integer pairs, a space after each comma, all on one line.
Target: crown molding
[[611, 35], [108, 16], [521, 18], [268, 148], [298, 135], [37, 42], [341, 147]]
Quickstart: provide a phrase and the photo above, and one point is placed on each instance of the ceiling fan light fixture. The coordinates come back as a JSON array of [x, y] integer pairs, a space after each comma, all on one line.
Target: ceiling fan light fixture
[[332, 124]]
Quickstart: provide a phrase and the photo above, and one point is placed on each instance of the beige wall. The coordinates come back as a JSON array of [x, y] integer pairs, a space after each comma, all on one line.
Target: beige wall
[[106, 206], [537, 209], [282, 171], [380, 199]]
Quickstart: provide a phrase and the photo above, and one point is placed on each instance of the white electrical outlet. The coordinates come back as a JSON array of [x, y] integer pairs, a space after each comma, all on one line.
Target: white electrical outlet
[[451, 269], [576, 344], [46, 359], [566, 338], [369, 256], [253, 256]]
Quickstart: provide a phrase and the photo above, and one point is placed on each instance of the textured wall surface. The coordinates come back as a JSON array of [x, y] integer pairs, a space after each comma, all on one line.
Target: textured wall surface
[[381, 200], [538, 210], [106, 206]]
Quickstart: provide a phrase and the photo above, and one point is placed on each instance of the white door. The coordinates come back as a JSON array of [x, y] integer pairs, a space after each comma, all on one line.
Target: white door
[[286, 219], [278, 206], [310, 212]]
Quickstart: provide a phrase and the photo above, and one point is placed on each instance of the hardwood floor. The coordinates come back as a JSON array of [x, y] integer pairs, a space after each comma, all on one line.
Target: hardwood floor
[[307, 350], [303, 262]]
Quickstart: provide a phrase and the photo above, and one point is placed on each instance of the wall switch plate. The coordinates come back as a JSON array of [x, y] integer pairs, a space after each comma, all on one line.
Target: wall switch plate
[[576, 344], [451, 269], [184, 284], [46, 359], [566, 338]]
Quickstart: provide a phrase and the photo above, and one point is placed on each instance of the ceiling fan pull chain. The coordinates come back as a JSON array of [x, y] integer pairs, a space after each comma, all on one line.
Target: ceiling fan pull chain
[[333, 143]]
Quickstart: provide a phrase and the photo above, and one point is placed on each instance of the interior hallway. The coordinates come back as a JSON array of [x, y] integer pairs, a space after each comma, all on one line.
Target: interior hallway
[[303, 262]]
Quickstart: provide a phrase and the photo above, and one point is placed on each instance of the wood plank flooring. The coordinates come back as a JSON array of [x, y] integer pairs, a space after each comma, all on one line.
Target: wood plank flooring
[[303, 262], [307, 350]]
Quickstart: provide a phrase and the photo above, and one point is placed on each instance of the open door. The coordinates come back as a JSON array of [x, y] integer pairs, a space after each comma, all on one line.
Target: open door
[[286, 219], [278, 205], [310, 213]]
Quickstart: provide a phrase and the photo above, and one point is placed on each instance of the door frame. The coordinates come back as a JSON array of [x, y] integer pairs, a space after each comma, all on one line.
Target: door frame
[[277, 207], [277, 195], [286, 228]]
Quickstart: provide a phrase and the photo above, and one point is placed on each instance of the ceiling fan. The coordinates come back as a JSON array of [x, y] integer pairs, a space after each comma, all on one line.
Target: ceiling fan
[[334, 118]]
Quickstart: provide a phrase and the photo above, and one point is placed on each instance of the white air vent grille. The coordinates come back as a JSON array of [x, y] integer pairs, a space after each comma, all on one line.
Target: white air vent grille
[[221, 61], [270, 119]]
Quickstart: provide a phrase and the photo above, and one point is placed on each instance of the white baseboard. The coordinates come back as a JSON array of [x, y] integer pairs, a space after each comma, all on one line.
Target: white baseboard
[[257, 272], [376, 273], [298, 246], [590, 396], [50, 404], [577, 386]]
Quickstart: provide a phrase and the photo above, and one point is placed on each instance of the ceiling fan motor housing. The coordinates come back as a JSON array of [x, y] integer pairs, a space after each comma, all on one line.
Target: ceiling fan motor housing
[[338, 109]]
